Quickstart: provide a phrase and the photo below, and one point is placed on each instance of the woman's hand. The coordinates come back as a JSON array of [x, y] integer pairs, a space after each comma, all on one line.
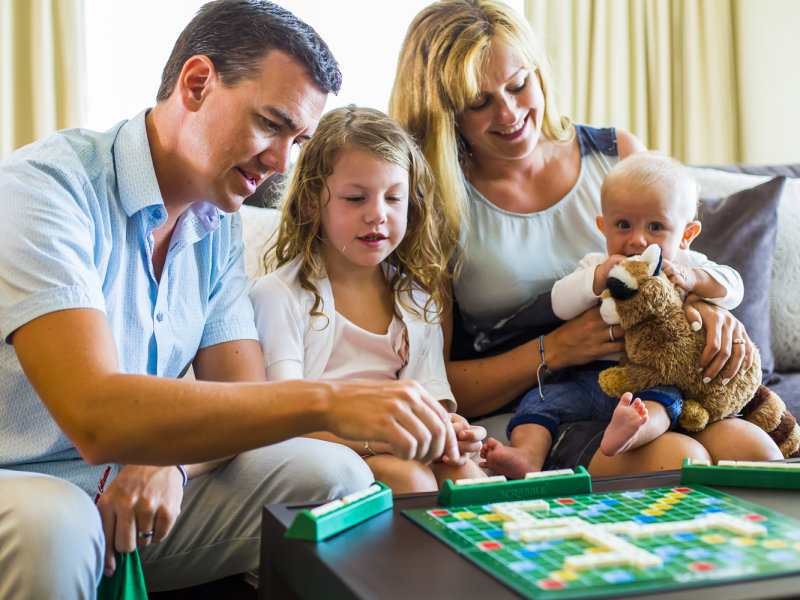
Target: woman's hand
[[723, 332], [582, 340]]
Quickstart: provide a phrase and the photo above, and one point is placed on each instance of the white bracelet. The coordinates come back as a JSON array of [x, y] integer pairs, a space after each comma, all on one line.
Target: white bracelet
[[184, 474]]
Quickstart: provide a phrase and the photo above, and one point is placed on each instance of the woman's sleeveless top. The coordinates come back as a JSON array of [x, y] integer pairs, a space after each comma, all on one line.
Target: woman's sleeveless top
[[511, 260]]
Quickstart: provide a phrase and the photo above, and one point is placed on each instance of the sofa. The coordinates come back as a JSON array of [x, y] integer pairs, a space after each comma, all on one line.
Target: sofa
[[751, 221]]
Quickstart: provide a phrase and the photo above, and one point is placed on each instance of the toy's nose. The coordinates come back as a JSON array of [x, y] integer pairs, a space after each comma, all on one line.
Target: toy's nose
[[618, 289]]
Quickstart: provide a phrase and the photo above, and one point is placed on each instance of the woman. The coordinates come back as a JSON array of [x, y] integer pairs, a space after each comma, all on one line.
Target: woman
[[520, 185]]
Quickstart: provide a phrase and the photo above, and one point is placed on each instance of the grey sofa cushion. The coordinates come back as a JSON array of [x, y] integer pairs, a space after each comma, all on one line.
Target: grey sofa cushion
[[739, 231]]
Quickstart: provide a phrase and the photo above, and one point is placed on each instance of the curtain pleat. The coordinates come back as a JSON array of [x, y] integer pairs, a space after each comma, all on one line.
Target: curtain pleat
[[42, 69], [663, 69]]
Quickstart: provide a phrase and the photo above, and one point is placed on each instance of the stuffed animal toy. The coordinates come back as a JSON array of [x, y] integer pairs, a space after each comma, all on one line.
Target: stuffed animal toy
[[661, 348]]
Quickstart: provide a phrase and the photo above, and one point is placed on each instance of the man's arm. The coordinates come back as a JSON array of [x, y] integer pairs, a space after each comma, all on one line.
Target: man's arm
[[71, 360]]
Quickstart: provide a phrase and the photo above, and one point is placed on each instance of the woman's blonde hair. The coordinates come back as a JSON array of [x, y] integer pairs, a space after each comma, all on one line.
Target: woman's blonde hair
[[438, 78], [418, 260]]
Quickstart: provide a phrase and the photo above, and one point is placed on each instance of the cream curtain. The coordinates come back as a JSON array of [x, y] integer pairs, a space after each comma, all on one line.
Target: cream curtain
[[42, 69], [666, 70]]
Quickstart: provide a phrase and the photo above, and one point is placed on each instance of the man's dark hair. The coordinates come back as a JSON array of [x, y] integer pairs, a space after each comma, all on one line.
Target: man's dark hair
[[236, 34]]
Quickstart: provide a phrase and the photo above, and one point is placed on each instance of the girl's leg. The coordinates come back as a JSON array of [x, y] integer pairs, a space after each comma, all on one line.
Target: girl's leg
[[633, 424], [665, 452], [737, 439], [469, 470], [403, 476]]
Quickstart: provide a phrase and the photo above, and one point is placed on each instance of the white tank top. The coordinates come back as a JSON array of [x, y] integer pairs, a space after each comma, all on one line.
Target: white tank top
[[512, 258], [360, 354]]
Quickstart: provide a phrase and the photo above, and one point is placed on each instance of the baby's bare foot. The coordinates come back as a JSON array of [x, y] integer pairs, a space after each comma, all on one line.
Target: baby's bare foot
[[512, 462], [628, 418]]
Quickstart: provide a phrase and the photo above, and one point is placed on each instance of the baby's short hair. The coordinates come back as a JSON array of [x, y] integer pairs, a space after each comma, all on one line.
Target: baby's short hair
[[653, 169]]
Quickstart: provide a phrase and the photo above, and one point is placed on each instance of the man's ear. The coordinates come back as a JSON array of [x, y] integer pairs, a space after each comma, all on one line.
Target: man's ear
[[689, 233], [599, 222], [195, 81]]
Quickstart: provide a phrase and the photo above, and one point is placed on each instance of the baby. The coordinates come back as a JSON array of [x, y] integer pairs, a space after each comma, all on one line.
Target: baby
[[645, 199]]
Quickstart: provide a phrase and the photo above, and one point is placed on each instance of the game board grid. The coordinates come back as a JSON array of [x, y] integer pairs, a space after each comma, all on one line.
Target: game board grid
[[526, 569]]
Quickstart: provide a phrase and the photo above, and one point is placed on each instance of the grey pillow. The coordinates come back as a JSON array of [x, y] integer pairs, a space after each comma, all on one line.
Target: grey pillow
[[739, 231]]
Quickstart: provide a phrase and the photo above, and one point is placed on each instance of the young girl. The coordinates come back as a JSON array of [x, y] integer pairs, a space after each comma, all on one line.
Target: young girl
[[358, 279]]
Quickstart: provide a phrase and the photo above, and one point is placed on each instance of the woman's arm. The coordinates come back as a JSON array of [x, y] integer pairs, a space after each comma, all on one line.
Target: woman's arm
[[486, 384], [628, 144]]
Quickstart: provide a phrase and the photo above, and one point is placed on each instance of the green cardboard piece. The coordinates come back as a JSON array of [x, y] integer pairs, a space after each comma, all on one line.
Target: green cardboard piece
[[306, 526], [740, 476], [518, 489]]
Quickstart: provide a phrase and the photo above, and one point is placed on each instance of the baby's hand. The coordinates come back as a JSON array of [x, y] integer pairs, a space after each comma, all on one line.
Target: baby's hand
[[683, 277], [470, 438], [601, 272]]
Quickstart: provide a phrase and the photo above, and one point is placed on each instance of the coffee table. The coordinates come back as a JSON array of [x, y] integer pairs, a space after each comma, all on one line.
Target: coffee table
[[390, 557]]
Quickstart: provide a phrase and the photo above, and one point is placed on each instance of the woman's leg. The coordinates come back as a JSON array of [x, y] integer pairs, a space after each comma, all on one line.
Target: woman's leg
[[737, 439], [665, 452]]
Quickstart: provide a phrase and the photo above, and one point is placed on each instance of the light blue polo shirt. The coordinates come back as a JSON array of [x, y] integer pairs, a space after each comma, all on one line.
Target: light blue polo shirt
[[76, 214]]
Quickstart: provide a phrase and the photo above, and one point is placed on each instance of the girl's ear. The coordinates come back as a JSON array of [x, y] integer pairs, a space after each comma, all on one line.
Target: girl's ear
[[689, 233], [599, 222]]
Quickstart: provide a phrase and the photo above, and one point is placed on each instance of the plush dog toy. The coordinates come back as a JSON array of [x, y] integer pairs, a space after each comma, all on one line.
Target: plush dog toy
[[661, 348]]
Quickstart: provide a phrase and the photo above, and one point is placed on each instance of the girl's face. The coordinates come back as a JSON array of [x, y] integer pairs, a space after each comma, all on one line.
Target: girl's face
[[505, 121], [636, 216], [364, 210]]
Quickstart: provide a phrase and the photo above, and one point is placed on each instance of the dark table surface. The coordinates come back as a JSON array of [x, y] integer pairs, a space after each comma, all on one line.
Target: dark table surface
[[391, 557]]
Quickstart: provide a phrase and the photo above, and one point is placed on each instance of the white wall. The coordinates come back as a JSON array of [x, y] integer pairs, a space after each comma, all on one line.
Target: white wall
[[770, 62], [127, 48]]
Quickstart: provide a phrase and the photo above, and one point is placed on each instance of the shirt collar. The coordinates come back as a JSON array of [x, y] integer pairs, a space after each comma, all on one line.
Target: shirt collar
[[136, 177]]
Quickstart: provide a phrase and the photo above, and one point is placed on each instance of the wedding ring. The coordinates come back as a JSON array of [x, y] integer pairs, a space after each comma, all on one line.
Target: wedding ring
[[146, 534], [739, 341], [611, 333]]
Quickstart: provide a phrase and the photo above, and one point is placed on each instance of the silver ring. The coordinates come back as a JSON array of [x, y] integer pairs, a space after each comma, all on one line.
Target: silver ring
[[739, 341], [611, 333], [146, 534]]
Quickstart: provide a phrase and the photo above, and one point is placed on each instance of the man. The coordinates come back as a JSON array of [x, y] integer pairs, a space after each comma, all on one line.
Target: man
[[121, 266]]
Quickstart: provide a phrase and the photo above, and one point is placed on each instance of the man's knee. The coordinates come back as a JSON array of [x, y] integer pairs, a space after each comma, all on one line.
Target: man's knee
[[48, 526], [327, 470], [300, 470]]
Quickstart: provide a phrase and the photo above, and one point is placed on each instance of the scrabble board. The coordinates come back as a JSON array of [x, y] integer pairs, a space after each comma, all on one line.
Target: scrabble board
[[615, 543]]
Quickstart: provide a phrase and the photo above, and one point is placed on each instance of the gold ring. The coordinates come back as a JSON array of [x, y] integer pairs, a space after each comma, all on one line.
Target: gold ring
[[739, 341], [611, 333], [369, 449]]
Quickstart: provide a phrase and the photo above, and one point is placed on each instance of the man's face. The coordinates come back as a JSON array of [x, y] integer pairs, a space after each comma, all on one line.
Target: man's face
[[243, 134]]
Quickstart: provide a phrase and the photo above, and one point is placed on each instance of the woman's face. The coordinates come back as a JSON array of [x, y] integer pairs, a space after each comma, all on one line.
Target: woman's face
[[505, 121]]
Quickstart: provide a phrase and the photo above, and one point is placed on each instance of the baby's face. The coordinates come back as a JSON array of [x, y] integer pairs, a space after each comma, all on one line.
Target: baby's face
[[634, 218]]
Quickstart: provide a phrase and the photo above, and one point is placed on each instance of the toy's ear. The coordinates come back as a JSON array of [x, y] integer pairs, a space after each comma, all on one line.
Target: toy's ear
[[653, 257]]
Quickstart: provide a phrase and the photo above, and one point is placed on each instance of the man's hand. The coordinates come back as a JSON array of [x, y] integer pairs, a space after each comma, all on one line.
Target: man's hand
[[401, 413], [139, 500]]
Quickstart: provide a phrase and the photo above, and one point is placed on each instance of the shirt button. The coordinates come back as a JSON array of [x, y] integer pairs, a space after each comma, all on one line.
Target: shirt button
[[160, 317]]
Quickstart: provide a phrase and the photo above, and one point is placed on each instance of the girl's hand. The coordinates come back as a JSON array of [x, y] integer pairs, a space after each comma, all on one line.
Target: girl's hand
[[684, 277], [582, 340], [602, 270], [722, 330], [470, 438]]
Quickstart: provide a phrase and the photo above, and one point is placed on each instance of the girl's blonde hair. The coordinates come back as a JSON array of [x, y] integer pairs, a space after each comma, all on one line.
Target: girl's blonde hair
[[438, 78], [418, 260]]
